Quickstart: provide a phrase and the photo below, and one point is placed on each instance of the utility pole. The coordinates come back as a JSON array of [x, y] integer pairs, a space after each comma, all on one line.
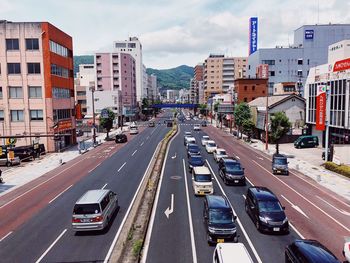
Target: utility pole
[[267, 120], [328, 106], [92, 89]]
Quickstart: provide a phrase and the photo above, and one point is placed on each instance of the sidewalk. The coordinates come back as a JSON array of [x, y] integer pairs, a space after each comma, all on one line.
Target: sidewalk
[[18, 176]]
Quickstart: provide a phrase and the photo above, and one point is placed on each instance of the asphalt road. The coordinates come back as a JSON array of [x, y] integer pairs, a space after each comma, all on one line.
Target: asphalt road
[[43, 232]]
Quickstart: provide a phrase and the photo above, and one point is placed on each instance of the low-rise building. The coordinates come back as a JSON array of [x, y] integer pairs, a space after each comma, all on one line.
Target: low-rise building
[[285, 88], [247, 90]]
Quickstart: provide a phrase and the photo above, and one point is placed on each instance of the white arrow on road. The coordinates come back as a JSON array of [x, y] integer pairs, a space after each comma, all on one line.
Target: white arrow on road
[[339, 210], [296, 207], [173, 157], [170, 210]]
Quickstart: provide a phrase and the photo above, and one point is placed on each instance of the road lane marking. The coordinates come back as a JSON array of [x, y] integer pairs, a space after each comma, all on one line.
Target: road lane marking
[[134, 153], [193, 244], [109, 253], [244, 197], [93, 168], [170, 210], [121, 167], [335, 220], [142, 143], [297, 208], [238, 157], [339, 210], [9, 233], [60, 194], [103, 187], [173, 157], [296, 230], [238, 220], [260, 158], [147, 138], [51, 246]]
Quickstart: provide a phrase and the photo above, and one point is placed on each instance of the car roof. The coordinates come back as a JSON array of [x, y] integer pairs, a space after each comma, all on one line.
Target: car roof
[[195, 155], [237, 251], [205, 136], [279, 156], [314, 251], [220, 149], [201, 170], [229, 160], [211, 141], [263, 193], [217, 201], [92, 196], [192, 144]]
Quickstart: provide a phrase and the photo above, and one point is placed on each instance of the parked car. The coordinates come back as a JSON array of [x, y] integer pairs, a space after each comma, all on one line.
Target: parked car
[[346, 250], [193, 149], [121, 138], [8, 157], [151, 124], [189, 139], [205, 139], [308, 251], [226, 252], [201, 181], [196, 127], [169, 123], [306, 141], [25, 152], [279, 164], [134, 130], [188, 133], [210, 146], [204, 123], [231, 171], [219, 153], [265, 210], [219, 219], [194, 161]]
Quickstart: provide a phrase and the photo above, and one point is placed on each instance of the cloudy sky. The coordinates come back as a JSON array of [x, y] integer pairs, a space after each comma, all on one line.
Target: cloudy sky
[[177, 32]]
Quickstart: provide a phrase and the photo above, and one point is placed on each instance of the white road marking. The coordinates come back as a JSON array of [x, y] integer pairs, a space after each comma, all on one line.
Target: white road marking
[[103, 187], [238, 157], [142, 143], [260, 158], [147, 138], [173, 157], [9, 233], [335, 220], [93, 168], [244, 197], [296, 230], [238, 220], [60, 194], [170, 210], [51, 246], [121, 167], [295, 207], [134, 153], [339, 210]]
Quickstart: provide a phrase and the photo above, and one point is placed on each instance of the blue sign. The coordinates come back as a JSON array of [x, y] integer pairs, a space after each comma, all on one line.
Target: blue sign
[[253, 35], [309, 34]]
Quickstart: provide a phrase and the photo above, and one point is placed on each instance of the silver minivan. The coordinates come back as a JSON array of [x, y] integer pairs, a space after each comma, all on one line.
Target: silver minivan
[[94, 210]]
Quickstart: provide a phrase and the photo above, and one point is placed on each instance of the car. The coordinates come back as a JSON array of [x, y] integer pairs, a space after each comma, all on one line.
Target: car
[[210, 146], [265, 210], [25, 152], [188, 134], [346, 249], [205, 139], [169, 123], [189, 139], [196, 127], [231, 171], [225, 252], [193, 149], [151, 124], [219, 220], [204, 123], [308, 251], [121, 138], [201, 181], [134, 130], [219, 153], [279, 164], [194, 161], [306, 141]]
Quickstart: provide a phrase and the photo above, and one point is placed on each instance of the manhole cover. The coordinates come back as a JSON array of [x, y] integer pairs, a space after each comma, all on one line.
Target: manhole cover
[[175, 177]]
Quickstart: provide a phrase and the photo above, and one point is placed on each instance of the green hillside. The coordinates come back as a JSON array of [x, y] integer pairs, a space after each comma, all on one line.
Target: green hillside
[[82, 60]]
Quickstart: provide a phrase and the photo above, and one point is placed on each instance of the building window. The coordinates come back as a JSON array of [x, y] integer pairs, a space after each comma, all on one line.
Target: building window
[[81, 93], [0, 92], [14, 68], [35, 92], [33, 68], [300, 73], [61, 114], [253, 87], [300, 61], [58, 49], [32, 44], [268, 62], [245, 99], [60, 93], [1, 115], [12, 44], [36, 115], [59, 71], [120, 45], [131, 45], [17, 115], [272, 73], [245, 88], [15, 92]]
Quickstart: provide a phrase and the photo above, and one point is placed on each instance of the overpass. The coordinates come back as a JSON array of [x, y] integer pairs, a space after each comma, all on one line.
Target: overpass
[[175, 105]]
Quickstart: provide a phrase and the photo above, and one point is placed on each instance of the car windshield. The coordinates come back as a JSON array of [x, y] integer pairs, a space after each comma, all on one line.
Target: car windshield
[[205, 138], [270, 206], [218, 216], [211, 144], [233, 167], [221, 152], [280, 161], [202, 178], [196, 159], [84, 209], [193, 148]]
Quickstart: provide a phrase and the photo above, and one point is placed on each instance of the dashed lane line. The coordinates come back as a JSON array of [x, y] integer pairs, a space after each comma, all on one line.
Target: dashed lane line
[[121, 167], [51, 246], [60, 194], [9, 233]]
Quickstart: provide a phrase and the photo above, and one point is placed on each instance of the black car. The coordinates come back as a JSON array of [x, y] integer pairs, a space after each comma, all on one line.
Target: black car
[[195, 160], [219, 219], [193, 149], [265, 210], [308, 251], [151, 124], [279, 164], [121, 138], [231, 171], [25, 153], [204, 123]]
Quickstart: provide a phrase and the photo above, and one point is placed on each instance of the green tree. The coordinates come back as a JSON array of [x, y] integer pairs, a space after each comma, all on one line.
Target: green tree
[[248, 127], [242, 113], [203, 109], [107, 122], [145, 103], [216, 106], [279, 126]]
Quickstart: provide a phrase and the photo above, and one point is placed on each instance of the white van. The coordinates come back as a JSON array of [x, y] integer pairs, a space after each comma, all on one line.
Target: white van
[[231, 253], [201, 181], [134, 130]]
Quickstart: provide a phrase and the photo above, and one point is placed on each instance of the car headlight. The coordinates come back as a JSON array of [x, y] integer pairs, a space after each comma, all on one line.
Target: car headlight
[[285, 220], [211, 230], [263, 219]]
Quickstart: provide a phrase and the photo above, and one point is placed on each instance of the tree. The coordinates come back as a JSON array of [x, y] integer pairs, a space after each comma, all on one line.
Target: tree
[[203, 109], [145, 103], [279, 127], [248, 127], [242, 113], [107, 122], [216, 106]]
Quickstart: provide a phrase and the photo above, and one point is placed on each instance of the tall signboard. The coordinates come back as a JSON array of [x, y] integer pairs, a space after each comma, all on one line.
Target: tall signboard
[[253, 35], [321, 108], [263, 71]]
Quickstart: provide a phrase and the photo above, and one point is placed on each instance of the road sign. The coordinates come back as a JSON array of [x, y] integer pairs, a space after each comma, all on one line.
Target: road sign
[[11, 141], [104, 113], [225, 108]]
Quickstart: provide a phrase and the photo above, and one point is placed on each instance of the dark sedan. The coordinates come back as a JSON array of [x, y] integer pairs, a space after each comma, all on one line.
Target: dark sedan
[[121, 138], [193, 149], [194, 161]]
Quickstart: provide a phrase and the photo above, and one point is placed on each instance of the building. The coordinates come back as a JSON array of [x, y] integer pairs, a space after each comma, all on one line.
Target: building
[[172, 95], [36, 84], [292, 63], [285, 88], [152, 88], [247, 90], [85, 76], [184, 96], [145, 84], [133, 47], [193, 91]]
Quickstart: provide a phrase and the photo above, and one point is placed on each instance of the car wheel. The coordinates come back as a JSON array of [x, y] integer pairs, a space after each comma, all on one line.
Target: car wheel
[[246, 208], [8, 164]]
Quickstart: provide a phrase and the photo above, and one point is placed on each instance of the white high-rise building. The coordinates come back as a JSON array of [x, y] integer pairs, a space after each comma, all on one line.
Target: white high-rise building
[[133, 47]]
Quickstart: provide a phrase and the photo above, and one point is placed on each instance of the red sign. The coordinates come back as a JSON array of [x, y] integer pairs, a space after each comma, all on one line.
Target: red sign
[[321, 108], [341, 65], [263, 71], [65, 125]]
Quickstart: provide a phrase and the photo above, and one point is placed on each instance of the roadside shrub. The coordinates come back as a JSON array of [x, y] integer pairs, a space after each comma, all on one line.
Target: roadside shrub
[[340, 169], [136, 248]]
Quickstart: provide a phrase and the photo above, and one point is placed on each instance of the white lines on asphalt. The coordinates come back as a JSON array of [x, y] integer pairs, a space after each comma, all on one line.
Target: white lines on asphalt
[[238, 157], [173, 157], [260, 158], [147, 138], [335, 220], [134, 153], [51, 246], [238, 220], [193, 244], [249, 181], [103, 187], [339, 210], [296, 230], [93, 168], [60, 194], [142, 143], [244, 197], [9, 233], [170, 209], [295, 207], [121, 167]]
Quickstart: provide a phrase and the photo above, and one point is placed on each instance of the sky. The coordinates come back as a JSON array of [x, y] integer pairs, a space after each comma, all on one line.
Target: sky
[[177, 32]]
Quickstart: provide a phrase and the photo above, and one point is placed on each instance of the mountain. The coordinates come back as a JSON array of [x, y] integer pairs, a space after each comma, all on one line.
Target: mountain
[[174, 78], [77, 60]]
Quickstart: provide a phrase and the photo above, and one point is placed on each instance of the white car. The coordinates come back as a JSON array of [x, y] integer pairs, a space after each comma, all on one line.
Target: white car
[[205, 139], [134, 130], [189, 139], [346, 250], [219, 153], [201, 181], [196, 127], [188, 134], [210, 147]]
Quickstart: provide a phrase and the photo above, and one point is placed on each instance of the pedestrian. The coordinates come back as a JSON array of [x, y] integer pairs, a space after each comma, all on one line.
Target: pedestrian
[[1, 180]]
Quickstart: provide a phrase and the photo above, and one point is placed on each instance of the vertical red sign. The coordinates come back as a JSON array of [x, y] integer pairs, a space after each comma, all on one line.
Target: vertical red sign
[[321, 108]]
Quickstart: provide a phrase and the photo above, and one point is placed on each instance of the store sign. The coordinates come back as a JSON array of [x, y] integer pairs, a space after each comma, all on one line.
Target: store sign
[[309, 34], [65, 125], [263, 71], [321, 108], [253, 35], [225, 108], [341, 65]]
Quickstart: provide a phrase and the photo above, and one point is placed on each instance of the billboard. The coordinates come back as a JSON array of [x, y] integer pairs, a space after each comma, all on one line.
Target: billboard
[[309, 34], [263, 71], [321, 108], [342, 65], [253, 35]]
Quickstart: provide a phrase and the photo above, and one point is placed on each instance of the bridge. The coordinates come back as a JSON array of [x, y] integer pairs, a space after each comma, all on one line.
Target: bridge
[[175, 105]]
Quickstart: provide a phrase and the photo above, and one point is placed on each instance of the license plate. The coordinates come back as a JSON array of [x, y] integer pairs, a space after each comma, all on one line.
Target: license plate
[[276, 229], [278, 172], [85, 220], [201, 192], [236, 181], [221, 240]]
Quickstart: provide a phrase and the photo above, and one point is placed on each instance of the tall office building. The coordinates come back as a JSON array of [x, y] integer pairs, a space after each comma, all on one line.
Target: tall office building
[[82, 83], [36, 84]]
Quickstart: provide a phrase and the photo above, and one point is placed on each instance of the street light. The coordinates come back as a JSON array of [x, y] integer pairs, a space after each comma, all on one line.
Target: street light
[[92, 89], [267, 120]]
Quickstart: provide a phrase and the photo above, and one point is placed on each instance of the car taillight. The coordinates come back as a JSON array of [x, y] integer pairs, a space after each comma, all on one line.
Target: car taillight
[[97, 219], [75, 220]]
